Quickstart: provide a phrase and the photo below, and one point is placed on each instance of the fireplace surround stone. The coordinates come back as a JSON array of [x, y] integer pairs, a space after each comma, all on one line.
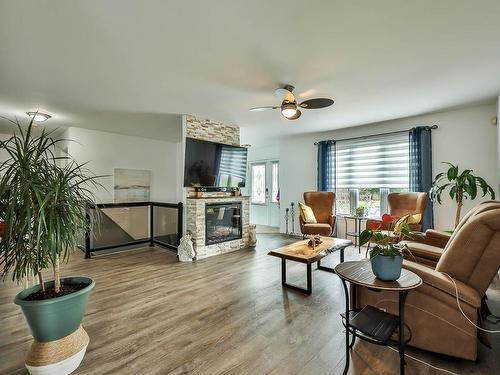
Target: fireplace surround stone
[[196, 225]]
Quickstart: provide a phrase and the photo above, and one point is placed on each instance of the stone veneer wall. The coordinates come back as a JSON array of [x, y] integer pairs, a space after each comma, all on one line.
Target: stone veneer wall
[[214, 131], [196, 225]]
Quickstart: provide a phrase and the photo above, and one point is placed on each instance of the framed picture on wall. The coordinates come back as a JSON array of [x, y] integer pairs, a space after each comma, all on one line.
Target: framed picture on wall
[[132, 185]]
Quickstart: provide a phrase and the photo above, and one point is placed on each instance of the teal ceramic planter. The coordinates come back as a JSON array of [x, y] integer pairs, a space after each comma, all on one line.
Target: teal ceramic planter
[[55, 318], [387, 268]]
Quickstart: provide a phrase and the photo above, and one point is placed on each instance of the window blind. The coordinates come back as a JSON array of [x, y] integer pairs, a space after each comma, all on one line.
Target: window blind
[[373, 162], [233, 162]]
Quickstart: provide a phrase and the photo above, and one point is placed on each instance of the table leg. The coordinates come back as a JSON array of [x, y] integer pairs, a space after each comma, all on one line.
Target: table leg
[[358, 230], [308, 289], [283, 271], [309, 278], [347, 344], [342, 255], [402, 344]]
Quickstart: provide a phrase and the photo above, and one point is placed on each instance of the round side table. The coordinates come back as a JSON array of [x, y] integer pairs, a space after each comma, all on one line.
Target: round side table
[[369, 323]]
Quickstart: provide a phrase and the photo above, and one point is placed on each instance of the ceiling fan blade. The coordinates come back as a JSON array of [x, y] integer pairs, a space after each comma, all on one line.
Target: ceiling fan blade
[[285, 93], [266, 108], [316, 103], [296, 116]]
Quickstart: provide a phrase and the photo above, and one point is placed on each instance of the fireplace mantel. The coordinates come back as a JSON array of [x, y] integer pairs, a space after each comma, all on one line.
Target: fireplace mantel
[[195, 208]]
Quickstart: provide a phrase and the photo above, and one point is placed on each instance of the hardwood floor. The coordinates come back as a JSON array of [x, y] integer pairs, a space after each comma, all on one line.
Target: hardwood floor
[[150, 314]]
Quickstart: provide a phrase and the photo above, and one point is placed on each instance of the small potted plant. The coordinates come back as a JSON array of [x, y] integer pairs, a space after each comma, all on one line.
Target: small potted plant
[[44, 204], [386, 257]]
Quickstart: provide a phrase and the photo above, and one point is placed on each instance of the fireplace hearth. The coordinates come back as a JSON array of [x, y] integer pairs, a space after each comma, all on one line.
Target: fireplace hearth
[[223, 222]]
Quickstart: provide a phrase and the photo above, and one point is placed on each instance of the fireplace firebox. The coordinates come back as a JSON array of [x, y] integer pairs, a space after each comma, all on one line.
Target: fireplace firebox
[[222, 222]]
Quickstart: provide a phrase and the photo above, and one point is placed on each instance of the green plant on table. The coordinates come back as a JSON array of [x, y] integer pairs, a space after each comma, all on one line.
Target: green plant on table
[[461, 185], [43, 205], [385, 244]]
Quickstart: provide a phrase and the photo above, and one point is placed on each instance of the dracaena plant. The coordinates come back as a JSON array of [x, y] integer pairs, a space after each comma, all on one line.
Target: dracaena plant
[[460, 186], [384, 241], [43, 203]]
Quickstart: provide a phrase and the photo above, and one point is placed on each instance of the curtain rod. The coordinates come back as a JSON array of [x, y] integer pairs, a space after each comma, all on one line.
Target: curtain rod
[[433, 127]]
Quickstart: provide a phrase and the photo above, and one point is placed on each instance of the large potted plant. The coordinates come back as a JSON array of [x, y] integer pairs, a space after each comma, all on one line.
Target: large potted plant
[[43, 202], [386, 256], [461, 185]]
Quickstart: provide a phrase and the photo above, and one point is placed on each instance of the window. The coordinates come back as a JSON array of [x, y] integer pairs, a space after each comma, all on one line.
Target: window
[[275, 181], [367, 169], [233, 166], [259, 183]]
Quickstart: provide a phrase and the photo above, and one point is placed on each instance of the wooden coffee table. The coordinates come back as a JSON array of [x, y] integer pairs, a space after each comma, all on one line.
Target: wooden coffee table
[[301, 252]]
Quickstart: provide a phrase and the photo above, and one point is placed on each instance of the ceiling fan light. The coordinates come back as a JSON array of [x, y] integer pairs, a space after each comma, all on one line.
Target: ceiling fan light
[[289, 109], [38, 116]]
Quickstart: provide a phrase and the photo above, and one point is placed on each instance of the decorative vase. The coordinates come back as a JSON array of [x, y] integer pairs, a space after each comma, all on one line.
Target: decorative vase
[[60, 340], [386, 268]]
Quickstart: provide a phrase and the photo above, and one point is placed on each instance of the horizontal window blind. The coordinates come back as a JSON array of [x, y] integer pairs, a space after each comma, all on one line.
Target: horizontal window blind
[[373, 162], [233, 162]]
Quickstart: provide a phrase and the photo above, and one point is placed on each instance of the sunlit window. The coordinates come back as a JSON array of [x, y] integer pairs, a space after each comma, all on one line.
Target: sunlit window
[[275, 180], [259, 183]]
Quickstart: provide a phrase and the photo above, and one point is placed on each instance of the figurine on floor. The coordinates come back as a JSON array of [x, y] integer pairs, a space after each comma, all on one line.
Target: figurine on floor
[[185, 251], [252, 235]]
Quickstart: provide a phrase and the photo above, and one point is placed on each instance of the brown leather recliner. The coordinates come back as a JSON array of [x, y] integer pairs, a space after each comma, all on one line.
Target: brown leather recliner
[[321, 202], [428, 248], [401, 204], [472, 258]]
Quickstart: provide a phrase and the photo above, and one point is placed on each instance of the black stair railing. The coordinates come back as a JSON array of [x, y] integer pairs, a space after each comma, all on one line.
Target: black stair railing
[[158, 223]]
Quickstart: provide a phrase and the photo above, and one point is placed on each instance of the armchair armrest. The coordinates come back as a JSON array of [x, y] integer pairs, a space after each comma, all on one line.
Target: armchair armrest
[[433, 237], [331, 221], [442, 282]]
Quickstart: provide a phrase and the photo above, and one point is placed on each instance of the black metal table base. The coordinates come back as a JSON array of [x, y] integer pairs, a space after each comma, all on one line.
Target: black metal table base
[[307, 290], [401, 343]]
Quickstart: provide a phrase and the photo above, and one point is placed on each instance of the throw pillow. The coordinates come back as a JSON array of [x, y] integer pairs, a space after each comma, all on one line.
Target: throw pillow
[[307, 214], [407, 219]]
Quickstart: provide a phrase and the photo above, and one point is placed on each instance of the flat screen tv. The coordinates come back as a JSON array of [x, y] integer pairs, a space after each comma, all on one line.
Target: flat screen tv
[[210, 164]]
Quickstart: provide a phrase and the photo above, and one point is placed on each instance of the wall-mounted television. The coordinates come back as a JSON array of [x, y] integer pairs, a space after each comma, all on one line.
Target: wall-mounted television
[[211, 164]]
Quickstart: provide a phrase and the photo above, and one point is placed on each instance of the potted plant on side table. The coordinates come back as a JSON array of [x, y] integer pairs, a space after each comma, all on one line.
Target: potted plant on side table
[[386, 257], [44, 207]]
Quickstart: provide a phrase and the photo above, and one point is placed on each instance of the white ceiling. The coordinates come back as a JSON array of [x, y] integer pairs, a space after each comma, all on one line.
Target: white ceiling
[[97, 63]]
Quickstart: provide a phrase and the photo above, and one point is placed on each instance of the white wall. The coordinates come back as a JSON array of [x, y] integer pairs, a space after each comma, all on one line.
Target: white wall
[[106, 151], [465, 137]]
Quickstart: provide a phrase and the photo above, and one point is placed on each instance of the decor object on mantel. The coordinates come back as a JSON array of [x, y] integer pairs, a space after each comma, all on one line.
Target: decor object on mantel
[[461, 184], [185, 251], [289, 106], [386, 257], [252, 235], [44, 206]]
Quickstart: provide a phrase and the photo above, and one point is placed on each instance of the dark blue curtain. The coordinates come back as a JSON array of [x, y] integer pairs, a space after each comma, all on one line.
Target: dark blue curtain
[[421, 167], [326, 166]]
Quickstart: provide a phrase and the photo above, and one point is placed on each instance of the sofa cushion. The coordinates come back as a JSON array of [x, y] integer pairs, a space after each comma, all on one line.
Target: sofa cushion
[[318, 228]]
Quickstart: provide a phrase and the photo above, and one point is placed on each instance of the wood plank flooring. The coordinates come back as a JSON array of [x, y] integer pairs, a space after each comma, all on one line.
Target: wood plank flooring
[[150, 314]]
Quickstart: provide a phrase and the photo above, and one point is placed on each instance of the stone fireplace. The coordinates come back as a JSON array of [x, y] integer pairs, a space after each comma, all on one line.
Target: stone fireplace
[[222, 222], [218, 224]]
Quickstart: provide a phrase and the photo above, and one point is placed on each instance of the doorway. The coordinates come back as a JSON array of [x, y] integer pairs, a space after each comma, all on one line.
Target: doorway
[[264, 195]]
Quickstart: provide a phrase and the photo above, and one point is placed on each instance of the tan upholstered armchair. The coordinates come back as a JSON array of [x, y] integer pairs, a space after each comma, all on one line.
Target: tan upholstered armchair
[[471, 258], [401, 204], [321, 202]]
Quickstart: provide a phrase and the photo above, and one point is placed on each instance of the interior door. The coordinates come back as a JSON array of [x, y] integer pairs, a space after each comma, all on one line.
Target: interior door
[[264, 199]]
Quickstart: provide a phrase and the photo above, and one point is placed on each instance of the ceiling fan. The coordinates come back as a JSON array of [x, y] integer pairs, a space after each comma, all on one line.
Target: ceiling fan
[[289, 107]]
